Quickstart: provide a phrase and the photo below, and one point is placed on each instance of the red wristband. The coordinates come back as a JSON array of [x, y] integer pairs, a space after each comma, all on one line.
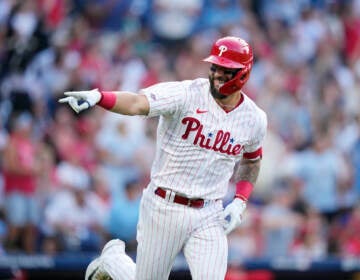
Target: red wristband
[[243, 190], [107, 100]]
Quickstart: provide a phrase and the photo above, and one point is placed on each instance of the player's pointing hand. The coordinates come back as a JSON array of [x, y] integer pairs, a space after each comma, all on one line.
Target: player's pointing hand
[[81, 100]]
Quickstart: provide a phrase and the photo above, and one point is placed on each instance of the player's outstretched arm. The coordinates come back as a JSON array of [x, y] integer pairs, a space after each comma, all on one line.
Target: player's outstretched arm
[[125, 103], [245, 175]]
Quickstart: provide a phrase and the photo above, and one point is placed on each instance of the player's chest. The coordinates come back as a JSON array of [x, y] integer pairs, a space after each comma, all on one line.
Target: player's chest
[[221, 133]]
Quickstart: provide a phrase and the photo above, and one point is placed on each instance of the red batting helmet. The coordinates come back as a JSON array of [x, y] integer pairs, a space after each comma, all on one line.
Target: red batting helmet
[[235, 53]]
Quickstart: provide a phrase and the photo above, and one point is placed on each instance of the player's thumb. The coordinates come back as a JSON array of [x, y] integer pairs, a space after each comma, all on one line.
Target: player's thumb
[[83, 106], [228, 210]]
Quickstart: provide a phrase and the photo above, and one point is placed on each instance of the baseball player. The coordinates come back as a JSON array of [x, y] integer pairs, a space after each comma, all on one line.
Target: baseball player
[[208, 131]]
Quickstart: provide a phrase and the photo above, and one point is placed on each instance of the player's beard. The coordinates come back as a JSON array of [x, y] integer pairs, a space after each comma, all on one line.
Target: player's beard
[[213, 90]]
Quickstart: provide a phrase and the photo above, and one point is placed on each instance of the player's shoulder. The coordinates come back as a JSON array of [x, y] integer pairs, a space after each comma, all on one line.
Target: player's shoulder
[[200, 82], [161, 85], [197, 86], [194, 87], [194, 84], [252, 106]]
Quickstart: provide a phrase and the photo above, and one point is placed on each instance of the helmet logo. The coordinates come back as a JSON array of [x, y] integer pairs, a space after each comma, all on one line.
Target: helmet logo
[[222, 49]]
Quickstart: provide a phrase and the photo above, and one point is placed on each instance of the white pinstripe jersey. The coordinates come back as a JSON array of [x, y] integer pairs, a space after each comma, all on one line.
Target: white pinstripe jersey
[[198, 143]]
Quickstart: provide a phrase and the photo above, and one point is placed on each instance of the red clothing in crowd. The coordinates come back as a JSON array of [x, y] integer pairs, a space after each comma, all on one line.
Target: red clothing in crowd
[[22, 180]]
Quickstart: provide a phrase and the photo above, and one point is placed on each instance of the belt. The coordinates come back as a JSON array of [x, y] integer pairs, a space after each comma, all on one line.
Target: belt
[[173, 197]]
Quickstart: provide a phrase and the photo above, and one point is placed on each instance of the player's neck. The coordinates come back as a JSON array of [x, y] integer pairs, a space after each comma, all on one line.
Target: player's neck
[[230, 102]]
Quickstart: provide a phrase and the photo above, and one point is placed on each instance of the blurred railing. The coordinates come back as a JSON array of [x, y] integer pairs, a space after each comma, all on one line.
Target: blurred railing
[[72, 266]]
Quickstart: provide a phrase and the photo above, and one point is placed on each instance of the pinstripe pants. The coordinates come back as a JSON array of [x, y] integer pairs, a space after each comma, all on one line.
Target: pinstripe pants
[[166, 228]]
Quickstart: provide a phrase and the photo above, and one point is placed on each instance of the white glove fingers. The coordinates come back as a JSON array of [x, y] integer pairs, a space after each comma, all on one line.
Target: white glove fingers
[[72, 101], [76, 94], [86, 99], [65, 100]]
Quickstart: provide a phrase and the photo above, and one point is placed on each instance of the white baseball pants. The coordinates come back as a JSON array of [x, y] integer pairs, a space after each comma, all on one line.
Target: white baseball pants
[[165, 228]]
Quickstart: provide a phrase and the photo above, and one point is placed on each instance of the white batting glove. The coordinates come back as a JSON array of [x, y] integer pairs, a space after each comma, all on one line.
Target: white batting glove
[[81, 100], [234, 210]]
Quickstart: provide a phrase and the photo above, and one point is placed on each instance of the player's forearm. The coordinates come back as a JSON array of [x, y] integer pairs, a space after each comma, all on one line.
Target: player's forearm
[[245, 176], [125, 103], [247, 171]]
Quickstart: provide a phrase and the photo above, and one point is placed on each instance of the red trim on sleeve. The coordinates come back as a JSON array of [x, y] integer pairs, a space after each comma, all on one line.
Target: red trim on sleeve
[[107, 100], [243, 190], [253, 155]]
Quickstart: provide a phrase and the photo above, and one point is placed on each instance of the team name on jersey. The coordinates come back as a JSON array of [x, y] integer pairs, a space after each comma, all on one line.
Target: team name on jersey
[[220, 142]]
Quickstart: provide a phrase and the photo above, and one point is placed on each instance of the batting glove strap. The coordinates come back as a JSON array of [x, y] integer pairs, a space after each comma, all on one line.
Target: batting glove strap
[[234, 211]]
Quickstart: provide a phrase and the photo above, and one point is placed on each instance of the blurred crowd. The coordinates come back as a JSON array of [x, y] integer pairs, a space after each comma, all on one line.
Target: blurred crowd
[[71, 182]]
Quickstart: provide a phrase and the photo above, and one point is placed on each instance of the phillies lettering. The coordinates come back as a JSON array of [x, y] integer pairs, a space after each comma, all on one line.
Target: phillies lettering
[[220, 143]]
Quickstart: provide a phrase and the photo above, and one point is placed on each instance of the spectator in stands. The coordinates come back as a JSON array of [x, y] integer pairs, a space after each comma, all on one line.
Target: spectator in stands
[[145, 154], [85, 147], [310, 244], [124, 213], [21, 168], [70, 216], [245, 242], [100, 196], [25, 36], [280, 223], [118, 140], [348, 237], [47, 181], [174, 20], [321, 158], [220, 13]]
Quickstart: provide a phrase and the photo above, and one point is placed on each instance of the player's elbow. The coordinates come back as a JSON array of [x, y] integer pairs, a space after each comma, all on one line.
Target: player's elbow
[[140, 106]]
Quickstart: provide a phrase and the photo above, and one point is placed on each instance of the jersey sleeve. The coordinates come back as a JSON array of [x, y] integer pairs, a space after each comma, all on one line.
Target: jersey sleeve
[[253, 150], [165, 98]]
